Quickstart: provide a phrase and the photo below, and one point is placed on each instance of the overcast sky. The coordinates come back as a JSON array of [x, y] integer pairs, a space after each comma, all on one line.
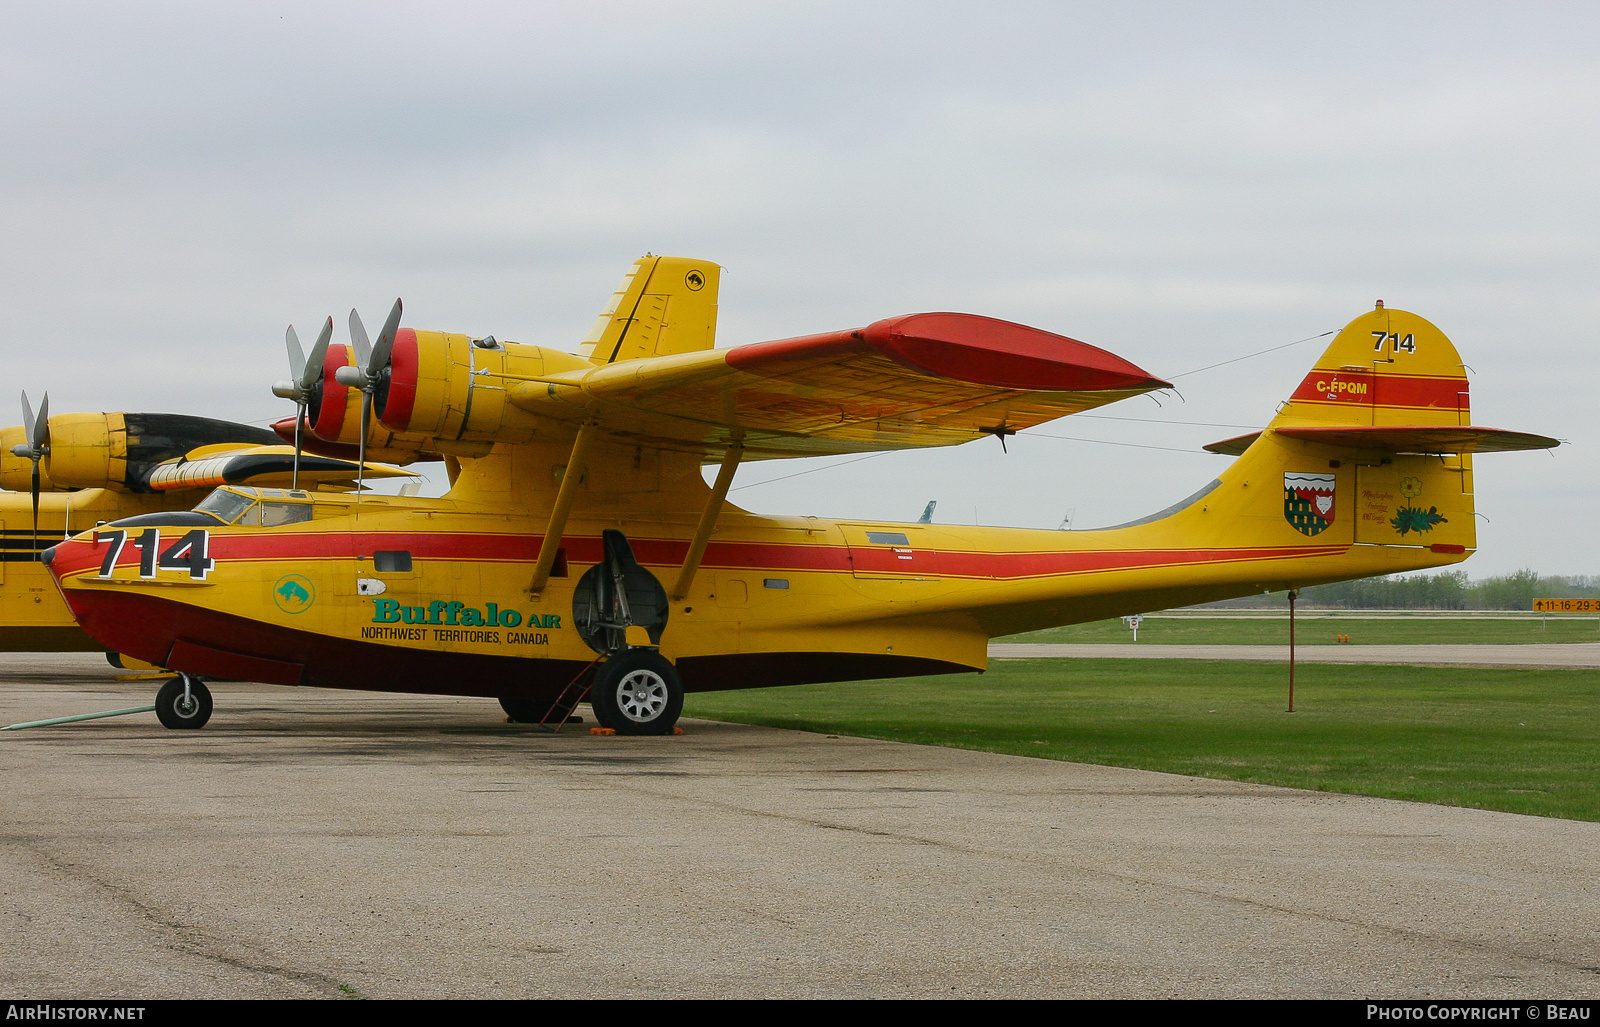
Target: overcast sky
[[1179, 183]]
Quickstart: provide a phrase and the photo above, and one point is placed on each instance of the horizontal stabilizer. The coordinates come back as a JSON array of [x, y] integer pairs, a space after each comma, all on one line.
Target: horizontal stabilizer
[[1400, 439]]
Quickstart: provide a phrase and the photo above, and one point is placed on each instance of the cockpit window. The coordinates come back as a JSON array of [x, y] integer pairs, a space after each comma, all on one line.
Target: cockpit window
[[274, 514], [225, 506]]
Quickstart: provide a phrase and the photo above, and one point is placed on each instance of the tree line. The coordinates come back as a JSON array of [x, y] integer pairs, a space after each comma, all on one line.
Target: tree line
[[1449, 590]]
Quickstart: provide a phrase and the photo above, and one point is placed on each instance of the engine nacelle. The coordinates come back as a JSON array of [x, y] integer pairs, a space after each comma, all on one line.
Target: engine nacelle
[[116, 450], [442, 392], [16, 472]]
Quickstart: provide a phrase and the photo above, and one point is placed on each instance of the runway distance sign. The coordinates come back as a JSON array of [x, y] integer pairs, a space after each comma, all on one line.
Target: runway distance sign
[[1566, 606]]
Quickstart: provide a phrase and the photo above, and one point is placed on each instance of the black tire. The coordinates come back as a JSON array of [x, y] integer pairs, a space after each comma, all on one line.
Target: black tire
[[637, 692], [172, 710], [523, 711]]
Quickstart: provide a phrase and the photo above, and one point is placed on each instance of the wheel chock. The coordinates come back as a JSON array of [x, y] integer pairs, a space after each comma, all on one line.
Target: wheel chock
[[612, 731]]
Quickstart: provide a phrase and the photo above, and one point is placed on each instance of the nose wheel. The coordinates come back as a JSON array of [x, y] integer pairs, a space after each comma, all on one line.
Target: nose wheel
[[183, 703]]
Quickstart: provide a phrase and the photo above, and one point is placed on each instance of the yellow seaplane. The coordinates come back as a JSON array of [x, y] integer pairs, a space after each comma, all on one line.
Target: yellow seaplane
[[580, 551]]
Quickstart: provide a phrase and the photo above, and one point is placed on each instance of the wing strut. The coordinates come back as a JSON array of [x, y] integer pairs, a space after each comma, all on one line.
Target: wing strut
[[708, 516], [563, 506]]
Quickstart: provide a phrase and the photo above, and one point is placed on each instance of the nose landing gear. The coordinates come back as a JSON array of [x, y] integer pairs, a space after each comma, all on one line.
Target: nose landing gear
[[184, 702]]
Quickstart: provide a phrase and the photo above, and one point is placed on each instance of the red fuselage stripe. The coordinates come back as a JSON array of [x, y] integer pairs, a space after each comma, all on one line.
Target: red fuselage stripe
[[774, 557]]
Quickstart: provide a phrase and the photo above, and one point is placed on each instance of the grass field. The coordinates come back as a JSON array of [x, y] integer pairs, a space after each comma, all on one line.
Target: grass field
[[1319, 631], [1522, 741]]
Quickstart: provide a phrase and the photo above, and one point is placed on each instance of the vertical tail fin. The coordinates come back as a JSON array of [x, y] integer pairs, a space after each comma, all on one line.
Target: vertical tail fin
[[1387, 367], [664, 305], [1372, 449]]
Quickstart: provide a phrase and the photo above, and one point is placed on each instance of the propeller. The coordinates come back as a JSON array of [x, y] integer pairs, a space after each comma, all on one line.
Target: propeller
[[368, 375], [37, 447], [305, 374]]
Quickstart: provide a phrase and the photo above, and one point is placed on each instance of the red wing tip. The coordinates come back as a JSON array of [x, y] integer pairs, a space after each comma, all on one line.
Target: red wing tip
[[1002, 354]]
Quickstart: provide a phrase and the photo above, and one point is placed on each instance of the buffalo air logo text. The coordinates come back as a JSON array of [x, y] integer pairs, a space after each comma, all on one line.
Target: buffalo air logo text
[[1308, 501], [391, 611], [294, 593]]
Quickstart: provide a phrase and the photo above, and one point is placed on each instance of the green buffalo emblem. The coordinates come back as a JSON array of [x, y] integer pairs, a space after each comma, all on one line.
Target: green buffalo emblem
[[294, 593]]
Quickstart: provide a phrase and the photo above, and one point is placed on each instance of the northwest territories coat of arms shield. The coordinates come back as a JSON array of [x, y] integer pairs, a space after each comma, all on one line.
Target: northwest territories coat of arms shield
[[1308, 501]]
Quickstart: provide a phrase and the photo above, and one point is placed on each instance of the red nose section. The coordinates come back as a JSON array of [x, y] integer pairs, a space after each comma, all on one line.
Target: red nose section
[[311, 444]]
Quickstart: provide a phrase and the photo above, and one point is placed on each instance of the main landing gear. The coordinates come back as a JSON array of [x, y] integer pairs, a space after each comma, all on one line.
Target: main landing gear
[[184, 702], [637, 692]]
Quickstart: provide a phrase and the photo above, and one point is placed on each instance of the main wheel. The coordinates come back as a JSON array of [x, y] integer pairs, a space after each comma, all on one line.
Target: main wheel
[[179, 708], [637, 692]]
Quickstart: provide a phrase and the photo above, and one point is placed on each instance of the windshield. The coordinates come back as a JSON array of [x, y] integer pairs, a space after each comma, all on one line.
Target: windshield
[[225, 506]]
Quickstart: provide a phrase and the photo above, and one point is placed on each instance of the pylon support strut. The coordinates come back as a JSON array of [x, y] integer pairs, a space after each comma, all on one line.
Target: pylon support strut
[[708, 518], [563, 506]]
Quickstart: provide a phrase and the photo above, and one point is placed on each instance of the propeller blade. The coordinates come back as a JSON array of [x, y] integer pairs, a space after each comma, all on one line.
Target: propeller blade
[[361, 451], [27, 418], [40, 437], [299, 415], [385, 343], [358, 339], [319, 352], [38, 429], [297, 356]]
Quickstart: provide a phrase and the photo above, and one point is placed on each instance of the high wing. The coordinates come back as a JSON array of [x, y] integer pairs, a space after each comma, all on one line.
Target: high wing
[[919, 380]]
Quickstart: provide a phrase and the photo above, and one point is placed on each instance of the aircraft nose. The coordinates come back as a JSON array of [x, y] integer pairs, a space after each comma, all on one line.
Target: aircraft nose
[[48, 555]]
